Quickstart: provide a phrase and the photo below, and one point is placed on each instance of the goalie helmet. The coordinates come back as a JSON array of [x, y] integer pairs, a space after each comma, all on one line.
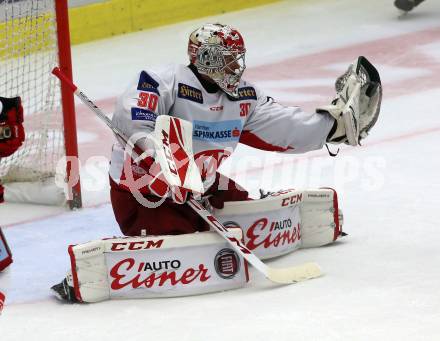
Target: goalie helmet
[[218, 51]]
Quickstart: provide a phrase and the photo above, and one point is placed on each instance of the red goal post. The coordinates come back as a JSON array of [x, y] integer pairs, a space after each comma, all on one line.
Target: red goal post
[[34, 37]]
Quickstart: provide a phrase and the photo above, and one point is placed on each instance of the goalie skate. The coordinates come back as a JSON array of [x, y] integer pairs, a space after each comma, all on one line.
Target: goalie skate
[[63, 291]]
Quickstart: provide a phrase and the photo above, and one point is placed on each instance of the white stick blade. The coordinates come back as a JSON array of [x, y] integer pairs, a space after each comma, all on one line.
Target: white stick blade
[[294, 274]]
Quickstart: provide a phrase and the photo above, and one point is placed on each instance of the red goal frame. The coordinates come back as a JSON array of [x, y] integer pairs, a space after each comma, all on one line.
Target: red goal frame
[[68, 106]]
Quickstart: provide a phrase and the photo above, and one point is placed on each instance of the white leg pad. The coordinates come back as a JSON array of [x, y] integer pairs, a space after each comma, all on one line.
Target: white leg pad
[[162, 266], [285, 221]]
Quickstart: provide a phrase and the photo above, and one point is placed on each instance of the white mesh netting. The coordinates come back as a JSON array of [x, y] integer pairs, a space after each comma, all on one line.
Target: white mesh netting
[[28, 53]]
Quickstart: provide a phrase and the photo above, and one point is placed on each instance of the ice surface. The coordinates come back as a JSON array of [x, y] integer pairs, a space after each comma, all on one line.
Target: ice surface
[[381, 282]]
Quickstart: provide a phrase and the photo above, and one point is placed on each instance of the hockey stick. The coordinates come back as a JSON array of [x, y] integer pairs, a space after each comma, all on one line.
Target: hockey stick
[[282, 276], [278, 275]]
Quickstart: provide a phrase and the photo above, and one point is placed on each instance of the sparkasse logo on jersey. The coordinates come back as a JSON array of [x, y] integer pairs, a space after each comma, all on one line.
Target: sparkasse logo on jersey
[[217, 131]]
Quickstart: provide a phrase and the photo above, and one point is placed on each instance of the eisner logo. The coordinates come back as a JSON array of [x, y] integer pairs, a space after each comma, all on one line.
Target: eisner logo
[[137, 245], [126, 273], [278, 233], [227, 263]]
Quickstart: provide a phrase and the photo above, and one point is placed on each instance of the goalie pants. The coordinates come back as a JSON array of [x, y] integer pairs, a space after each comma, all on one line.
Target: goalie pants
[[169, 218]]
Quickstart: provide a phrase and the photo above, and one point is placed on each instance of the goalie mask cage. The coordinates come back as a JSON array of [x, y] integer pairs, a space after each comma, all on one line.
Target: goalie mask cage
[[34, 37]]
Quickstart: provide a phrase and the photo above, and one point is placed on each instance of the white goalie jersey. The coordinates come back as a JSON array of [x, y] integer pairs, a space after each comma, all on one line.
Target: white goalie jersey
[[219, 121]]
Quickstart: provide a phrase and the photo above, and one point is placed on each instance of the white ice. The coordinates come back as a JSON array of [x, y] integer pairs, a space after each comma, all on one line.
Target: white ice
[[381, 282]]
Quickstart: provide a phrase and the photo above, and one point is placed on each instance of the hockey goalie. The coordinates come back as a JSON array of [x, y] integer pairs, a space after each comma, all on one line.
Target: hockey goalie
[[11, 138], [197, 114]]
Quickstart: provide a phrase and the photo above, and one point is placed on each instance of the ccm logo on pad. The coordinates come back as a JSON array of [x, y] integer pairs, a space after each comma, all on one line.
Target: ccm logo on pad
[[292, 200], [138, 245]]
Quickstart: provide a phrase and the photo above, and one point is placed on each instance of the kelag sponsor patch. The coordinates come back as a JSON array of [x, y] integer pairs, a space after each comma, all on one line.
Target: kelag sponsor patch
[[189, 93], [138, 114], [147, 83], [217, 131]]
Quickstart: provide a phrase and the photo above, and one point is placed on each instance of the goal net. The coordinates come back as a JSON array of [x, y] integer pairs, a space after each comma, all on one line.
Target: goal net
[[28, 52]]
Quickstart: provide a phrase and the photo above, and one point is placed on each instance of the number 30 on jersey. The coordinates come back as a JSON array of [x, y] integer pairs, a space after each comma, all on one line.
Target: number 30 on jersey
[[147, 100], [244, 109]]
